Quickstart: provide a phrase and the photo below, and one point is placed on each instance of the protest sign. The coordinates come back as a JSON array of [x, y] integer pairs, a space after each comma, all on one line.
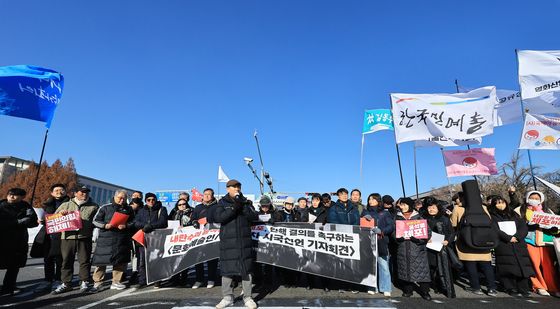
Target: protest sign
[[412, 228], [58, 222], [118, 219], [545, 220]]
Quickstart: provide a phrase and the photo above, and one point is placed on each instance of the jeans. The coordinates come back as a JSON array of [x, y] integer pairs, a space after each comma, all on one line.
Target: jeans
[[227, 290], [384, 275], [487, 269]]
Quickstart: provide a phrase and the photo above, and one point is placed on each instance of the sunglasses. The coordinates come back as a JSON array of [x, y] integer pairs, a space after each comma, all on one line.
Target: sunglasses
[[181, 204], [150, 199]]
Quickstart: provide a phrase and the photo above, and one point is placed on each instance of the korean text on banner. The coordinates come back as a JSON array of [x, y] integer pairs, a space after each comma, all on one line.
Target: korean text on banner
[[476, 161], [539, 78], [412, 228], [540, 133], [545, 220], [58, 222], [30, 92], [445, 142], [377, 120], [454, 116], [507, 109]]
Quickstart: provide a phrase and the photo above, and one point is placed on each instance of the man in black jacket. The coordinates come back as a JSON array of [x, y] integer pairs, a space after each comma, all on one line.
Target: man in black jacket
[[16, 216], [201, 211], [151, 217], [237, 258], [51, 243]]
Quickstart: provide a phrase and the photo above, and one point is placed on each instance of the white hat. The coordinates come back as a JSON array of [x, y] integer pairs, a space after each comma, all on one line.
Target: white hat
[[534, 192], [289, 200]]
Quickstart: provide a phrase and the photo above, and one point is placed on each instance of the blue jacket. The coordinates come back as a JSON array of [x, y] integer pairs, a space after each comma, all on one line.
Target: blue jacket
[[339, 214]]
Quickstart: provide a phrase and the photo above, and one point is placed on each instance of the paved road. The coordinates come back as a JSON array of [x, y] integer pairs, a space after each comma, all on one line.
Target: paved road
[[167, 297]]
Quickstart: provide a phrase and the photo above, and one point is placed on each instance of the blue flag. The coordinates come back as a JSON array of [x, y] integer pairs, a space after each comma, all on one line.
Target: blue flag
[[30, 92], [377, 120]]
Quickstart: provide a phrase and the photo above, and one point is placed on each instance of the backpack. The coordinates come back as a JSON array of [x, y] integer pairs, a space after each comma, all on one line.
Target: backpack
[[475, 229]]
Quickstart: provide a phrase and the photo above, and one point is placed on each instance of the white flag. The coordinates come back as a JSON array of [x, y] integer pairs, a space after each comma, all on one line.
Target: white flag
[[551, 186], [445, 142], [539, 77], [453, 116], [540, 132], [507, 108], [222, 177]]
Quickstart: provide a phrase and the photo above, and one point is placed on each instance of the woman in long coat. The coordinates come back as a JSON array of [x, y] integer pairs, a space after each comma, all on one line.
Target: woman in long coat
[[412, 256], [440, 270], [512, 257]]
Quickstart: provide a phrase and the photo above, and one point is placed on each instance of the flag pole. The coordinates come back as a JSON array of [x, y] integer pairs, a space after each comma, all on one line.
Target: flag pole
[[468, 146], [448, 181], [523, 111], [362, 162], [415, 171], [398, 152], [39, 168]]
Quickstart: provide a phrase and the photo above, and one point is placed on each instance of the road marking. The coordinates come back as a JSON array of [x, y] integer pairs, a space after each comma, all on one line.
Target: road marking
[[273, 307], [129, 292], [113, 304], [149, 304], [437, 301], [533, 301]]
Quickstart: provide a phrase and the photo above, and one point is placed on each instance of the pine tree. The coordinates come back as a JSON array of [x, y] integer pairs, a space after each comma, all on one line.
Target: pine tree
[[49, 175]]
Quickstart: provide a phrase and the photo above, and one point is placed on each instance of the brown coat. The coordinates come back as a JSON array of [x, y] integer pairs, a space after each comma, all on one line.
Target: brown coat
[[456, 216]]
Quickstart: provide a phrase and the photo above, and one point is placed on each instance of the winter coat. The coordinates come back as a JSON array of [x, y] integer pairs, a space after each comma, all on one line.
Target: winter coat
[[384, 221], [155, 217], [183, 216], [205, 211], [113, 245], [465, 253], [303, 214], [284, 215], [237, 257], [15, 219], [512, 259], [50, 242], [87, 212], [340, 214], [439, 261], [319, 212], [412, 256]]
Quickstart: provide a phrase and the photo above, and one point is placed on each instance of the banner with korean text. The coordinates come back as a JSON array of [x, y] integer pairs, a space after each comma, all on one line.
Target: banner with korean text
[[540, 133], [346, 253], [454, 116], [412, 228], [476, 161], [507, 109], [539, 78]]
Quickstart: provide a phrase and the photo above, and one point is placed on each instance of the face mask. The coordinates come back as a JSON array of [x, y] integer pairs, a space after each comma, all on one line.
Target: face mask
[[533, 202]]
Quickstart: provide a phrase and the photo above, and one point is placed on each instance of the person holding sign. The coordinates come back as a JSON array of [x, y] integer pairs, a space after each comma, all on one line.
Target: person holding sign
[[113, 245], [204, 212], [383, 219], [439, 224], [16, 216], [539, 244], [512, 257], [412, 257], [77, 242], [237, 256]]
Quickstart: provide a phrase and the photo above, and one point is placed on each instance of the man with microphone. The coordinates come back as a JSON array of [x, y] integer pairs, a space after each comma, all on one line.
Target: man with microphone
[[235, 214]]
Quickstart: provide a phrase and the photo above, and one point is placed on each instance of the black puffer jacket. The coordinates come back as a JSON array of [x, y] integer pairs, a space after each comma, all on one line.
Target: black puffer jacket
[[205, 211], [512, 259], [319, 212], [15, 219], [412, 256], [151, 218], [113, 245], [237, 256]]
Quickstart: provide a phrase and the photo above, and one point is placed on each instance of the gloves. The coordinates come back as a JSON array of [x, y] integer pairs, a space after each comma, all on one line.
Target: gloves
[[400, 239], [195, 224], [414, 239], [147, 228], [553, 230]]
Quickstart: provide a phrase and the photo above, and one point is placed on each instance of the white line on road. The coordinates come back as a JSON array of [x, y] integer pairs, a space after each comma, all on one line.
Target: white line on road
[[282, 307], [129, 292], [149, 304]]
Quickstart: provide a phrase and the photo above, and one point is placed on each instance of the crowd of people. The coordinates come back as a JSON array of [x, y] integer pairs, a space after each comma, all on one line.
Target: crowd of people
[[520, 263]]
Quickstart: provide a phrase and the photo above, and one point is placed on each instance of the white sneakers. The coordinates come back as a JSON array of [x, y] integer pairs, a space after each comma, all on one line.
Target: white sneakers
[[387, 294], [117, 286], [543, 292], [226, 302], [210, 284], [250, 304], [84, 286], [196, 285]]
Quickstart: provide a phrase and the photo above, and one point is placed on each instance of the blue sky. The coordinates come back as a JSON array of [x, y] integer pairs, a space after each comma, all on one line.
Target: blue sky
[[159, 93]]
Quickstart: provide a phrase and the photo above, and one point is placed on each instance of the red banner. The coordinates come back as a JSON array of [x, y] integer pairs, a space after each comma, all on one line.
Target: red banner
[[412, 228], [196, 195], [57, 222]]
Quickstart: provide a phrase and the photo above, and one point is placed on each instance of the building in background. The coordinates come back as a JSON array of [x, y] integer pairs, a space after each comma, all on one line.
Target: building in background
[[101, 191]]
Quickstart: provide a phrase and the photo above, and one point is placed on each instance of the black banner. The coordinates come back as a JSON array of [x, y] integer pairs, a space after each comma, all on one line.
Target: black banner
[[342, 252]]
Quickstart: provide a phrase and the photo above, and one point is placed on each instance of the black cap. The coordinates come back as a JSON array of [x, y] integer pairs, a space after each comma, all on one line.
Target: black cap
[[233, 183], [82, 189]]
